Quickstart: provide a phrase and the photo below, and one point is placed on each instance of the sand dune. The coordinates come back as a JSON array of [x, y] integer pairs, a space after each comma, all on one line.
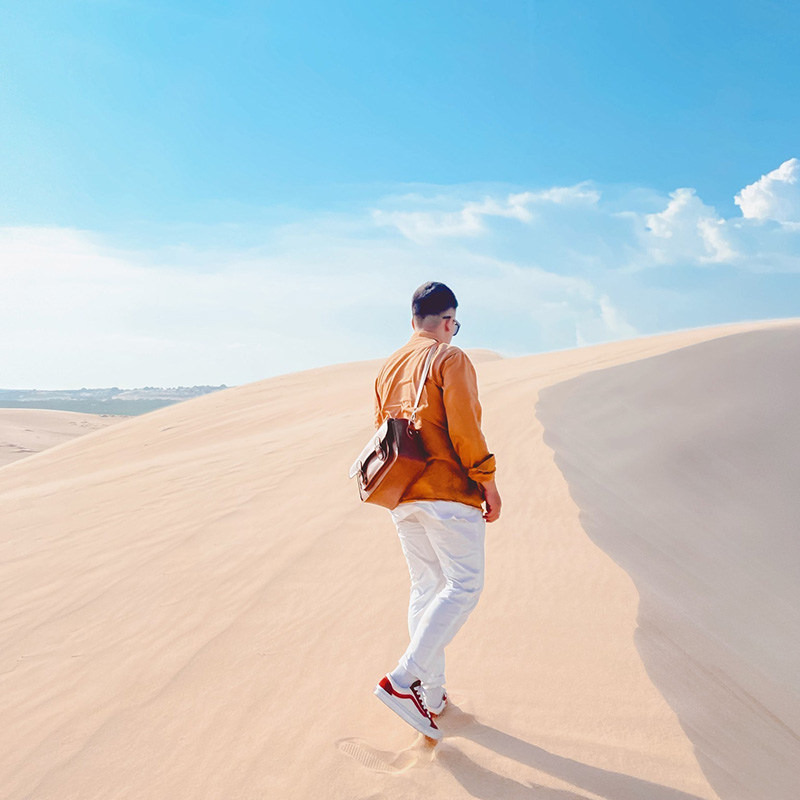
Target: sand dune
[[26, 431], [686, 469], [194, 604]]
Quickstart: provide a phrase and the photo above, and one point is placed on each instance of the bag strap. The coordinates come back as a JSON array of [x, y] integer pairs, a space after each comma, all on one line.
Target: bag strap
[[428, 362]]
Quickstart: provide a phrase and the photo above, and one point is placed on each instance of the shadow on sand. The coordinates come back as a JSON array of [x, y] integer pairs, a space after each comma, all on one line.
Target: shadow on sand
[[685, 469], [483, 783]]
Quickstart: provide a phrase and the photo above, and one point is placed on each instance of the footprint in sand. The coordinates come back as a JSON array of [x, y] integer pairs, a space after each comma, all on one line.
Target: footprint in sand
[[421, 752]]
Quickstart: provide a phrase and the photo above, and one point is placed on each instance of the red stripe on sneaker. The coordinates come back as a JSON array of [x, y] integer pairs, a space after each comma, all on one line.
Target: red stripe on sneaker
[[387, 685]]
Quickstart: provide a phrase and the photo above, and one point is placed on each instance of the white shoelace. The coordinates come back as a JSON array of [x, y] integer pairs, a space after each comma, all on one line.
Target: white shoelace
[[417, 689]]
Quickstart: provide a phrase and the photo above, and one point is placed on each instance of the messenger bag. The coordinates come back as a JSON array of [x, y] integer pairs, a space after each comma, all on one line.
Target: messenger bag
[[394, 457]]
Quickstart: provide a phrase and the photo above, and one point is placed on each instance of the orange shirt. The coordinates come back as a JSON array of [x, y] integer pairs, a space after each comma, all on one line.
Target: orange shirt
[[448, 418]]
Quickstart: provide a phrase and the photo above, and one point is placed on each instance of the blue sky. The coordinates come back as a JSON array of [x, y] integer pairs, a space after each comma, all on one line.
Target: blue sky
[[206, 192]]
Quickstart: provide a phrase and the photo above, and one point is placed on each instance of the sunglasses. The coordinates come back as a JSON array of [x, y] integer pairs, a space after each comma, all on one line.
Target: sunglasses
[[457, 323]]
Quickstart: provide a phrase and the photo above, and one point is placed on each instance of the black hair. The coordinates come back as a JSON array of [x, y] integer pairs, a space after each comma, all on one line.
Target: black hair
[[432, 298]]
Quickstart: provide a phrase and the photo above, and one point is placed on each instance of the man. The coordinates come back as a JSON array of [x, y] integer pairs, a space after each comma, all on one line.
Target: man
[[440, 519]]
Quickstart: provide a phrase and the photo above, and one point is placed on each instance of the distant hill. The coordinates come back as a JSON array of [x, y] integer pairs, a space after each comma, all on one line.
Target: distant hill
[[127, 402]]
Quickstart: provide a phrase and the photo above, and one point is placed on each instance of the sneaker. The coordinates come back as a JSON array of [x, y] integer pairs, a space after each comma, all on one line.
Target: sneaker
[[408, 704], [435, 709]]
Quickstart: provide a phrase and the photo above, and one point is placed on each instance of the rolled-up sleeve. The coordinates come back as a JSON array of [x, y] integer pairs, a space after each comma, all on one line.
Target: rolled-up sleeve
[[463, 409]]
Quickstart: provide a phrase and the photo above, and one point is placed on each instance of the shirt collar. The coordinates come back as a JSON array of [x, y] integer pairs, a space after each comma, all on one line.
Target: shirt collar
[[424, 335]]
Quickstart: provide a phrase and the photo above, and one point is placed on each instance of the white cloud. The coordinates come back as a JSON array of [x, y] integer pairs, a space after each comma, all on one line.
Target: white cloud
[[581, 193], [555, 268], [533, 309], [775, 195], [420, 226], [471, 219], [688, 229], [76, 312], [614, 321]]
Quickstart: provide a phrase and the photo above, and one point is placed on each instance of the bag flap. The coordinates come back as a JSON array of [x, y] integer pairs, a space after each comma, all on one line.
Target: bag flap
[[369, 448]]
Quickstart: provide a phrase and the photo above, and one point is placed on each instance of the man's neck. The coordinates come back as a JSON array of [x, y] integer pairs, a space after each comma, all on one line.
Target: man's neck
[[427, 335]]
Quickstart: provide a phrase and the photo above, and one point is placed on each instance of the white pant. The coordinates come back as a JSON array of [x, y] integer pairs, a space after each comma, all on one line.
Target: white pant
[[443, 545]]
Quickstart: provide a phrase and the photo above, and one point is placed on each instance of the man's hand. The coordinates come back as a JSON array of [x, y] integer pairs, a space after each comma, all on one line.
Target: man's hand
[[493, 502]]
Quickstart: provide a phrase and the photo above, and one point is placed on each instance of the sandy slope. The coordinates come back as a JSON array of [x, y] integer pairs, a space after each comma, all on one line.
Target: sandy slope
[[686, 468], [194, 605], [25, 431]]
